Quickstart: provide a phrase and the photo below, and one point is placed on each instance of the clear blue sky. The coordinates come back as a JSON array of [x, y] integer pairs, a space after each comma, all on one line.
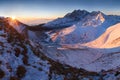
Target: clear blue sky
[[55, 8]]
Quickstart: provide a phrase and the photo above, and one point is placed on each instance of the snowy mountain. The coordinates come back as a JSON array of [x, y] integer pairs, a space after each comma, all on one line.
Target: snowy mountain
[[79, 46], [68, 20], [90, 42], [85, 30]]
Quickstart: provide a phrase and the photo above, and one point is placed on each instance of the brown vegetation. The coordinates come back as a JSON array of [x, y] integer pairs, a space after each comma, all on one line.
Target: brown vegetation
[[21, 71], [14, 78], [2, 74]]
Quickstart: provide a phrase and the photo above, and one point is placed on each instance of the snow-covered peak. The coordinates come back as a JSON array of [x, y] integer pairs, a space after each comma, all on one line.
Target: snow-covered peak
[[99, 16], [77, 14], [94, 19], [68, 20], [97, 12]]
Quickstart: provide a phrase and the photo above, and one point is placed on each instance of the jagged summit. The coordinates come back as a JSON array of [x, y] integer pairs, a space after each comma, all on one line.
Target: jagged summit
[[77, 14], [93, 19], [75, 17], [97, 12], [68, 20], [81, 13]]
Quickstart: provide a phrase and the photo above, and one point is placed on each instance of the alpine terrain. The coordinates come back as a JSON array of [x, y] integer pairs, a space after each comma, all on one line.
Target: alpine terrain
[[80, 46]]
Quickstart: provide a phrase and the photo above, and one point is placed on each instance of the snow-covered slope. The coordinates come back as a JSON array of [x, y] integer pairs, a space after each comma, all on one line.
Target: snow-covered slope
[[87, 58], [109, 39], [17, 57], [100, 54]]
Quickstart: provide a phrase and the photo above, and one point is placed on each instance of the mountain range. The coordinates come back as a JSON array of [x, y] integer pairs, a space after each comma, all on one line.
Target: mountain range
[[87, 34], [80, 46]]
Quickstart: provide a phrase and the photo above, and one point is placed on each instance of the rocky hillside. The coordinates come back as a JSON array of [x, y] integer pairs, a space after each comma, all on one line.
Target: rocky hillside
[[17, 57]]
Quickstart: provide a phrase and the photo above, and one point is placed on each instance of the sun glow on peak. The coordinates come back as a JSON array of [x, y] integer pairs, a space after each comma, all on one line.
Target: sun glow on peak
[[13, 17]]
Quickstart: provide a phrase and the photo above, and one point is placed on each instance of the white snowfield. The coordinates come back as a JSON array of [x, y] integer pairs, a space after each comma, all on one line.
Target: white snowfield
[[86, 58], [109, 39], [92, 43], [100, 54]]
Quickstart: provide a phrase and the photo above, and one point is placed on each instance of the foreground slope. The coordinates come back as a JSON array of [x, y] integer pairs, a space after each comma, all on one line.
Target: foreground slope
[[17, 57]]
